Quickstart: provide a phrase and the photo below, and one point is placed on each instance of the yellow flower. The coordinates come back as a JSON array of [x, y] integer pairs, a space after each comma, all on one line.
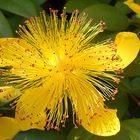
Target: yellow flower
[[8, 93], [55, 61], [8, 128], [134, 6]]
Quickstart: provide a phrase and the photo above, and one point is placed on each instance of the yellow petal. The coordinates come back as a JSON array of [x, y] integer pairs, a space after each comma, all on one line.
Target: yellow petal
[[5, 43], [30, 109], [102, 57], [2, 138], [34, 121], [128, 46], [6, 39], [35, 102], [89, 107], [8, 128], [98, 58], [8, 93], [135, 7], [25, 59], [104, 122]]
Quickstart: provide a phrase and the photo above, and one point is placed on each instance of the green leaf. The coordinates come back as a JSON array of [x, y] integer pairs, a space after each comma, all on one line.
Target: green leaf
[[78, 133], [125, 85], [40, 135], [5, 29], [122, 7], [120, 103], [135, 84], [137, 1], [82, 134], [15, 21], [104, 36], [106, 1], [24, 8], [39, 2], [134, 109], [130, 130], [115, 21], [134, 68], [71, 5], [137, 30], [133, 128]]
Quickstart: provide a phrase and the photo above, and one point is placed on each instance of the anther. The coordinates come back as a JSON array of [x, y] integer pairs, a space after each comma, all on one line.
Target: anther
[[1, 90], [57, 128], [115, 92], [1, 72], [114, 49], [62, 121], [112, 98], [50, 9], [77, 11], [63, 125], [19, 26], [51, 126], [102, 24], [120, 71], [117, 80], [79, 121], [26, 22], [32, 65], [115, 58], [62, 15]]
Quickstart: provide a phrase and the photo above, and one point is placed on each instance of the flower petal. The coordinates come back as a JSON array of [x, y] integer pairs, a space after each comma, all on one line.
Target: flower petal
[[8, 93], [135, 7], [103, 57], [25, 61], [8, 127], [35, 102], [128, 46], [104, 122], [98, 58], [89, 107], [7, 39], [30, 109], [5, 44], [34, 121]]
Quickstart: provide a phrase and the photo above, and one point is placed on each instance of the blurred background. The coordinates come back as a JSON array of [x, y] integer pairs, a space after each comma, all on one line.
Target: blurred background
[[118, 17]]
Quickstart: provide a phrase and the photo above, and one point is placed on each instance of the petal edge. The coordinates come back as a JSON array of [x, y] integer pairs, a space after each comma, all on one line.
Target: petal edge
[[128, 46]]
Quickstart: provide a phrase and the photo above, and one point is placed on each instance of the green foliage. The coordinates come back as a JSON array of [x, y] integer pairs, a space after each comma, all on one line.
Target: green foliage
[[39, 2], [40, 135], [115, 21], [129, 131], [19, 7], [5, 29], [122, 8], [132, 127], [134, 68], [105, 35], [135, 83], [82, 4], [72, 5], [120, 103], [16, 11], [82, 134]]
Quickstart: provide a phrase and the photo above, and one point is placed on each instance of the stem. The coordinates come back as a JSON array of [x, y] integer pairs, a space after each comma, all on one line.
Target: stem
[[135, 99]]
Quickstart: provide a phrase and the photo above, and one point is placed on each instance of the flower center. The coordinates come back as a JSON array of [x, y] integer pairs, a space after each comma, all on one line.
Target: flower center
[[65, 65]]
